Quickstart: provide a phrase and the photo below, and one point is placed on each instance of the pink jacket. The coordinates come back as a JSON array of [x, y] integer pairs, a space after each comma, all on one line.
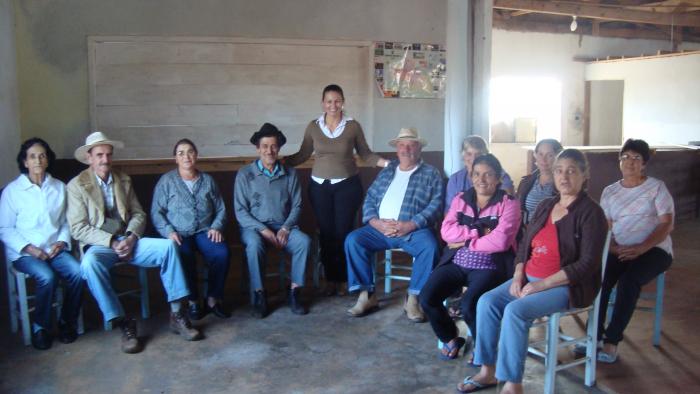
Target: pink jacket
[[499, 220]]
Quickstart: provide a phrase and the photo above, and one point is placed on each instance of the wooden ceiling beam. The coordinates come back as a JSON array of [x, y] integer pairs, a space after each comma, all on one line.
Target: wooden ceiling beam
[[598, 11]]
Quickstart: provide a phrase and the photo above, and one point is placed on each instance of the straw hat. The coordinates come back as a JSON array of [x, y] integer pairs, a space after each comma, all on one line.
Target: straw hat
[[94, 139], [408, 134]]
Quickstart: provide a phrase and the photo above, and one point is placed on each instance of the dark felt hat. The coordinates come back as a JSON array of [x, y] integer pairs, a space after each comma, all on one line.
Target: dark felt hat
[[268, 130]]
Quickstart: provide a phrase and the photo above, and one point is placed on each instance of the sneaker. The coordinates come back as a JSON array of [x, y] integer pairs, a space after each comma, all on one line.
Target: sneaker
[[130, 339], [180, 324], [295, 303]]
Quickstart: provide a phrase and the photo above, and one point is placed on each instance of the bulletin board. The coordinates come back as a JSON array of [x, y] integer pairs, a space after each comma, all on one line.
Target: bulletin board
[[410, 70]]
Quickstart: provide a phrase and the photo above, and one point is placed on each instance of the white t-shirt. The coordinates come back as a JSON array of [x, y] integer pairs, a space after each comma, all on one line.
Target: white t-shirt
[[390, 208], [635, 211]]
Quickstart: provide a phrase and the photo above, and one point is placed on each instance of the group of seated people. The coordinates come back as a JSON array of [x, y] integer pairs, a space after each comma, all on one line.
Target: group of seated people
[[520, 256]]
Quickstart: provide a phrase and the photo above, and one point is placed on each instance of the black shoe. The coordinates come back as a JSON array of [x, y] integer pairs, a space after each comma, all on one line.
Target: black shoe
[[194, 312], [217, 310], [67, 332], [130, 336], [259, 304], [295, 303], [41, 339]]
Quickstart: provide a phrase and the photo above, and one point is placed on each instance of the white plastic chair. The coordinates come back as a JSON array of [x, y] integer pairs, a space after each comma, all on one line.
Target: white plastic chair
[[548, 348]]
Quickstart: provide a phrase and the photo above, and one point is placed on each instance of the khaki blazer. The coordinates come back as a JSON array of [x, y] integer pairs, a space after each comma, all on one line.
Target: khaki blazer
[[86, 208]]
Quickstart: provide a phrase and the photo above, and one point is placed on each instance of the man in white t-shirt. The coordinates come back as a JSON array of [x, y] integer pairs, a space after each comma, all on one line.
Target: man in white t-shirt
[[400, 210]]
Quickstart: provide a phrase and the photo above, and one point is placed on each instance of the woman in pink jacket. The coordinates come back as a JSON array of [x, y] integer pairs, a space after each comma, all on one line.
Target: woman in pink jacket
[[480, 229]]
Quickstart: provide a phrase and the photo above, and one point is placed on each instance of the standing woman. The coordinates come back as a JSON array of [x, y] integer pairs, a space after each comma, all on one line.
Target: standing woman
[[472, 147], [34, 229], [640, 212], [188, 208], [539, 185], [335, 190]]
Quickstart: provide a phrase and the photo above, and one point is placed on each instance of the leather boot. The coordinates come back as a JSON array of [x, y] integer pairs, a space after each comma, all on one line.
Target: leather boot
[[365, 304], [180, 324], [295, 302], [130, 338], [413, 310]]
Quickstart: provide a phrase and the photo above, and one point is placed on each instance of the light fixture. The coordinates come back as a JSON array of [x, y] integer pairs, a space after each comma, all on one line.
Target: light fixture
[[573, 24]]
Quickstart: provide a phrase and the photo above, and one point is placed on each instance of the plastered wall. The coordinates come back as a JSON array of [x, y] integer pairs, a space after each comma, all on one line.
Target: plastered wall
[[9, 120]]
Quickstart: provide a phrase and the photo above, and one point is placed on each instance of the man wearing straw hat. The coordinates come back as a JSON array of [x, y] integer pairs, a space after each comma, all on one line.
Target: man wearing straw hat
[[108, 221], [400, 210]]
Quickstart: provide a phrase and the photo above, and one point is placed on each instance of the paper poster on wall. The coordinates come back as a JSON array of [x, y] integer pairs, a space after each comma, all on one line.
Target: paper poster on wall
[[410, 70]]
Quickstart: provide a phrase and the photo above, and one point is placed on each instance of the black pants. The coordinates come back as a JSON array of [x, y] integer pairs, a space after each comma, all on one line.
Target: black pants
[[335, 207], [446, 280], [629, 276]]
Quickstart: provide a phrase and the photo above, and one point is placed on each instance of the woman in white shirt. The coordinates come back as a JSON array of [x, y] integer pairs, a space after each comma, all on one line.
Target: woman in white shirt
[[34, 230], [640, 213]]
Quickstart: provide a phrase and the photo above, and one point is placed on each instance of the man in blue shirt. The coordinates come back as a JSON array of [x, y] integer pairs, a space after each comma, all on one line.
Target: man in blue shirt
[[267, 204], [400, 210]]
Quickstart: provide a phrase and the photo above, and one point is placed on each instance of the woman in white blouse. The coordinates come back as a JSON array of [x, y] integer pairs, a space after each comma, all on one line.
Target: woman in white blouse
[[37, 242], [640, 212]]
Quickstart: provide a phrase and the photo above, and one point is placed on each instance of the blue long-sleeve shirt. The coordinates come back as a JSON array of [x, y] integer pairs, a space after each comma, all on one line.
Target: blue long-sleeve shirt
[[422, 202], [176, 209]]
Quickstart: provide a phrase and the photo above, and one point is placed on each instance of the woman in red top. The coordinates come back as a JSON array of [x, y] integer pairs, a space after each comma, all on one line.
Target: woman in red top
[[557, 267]]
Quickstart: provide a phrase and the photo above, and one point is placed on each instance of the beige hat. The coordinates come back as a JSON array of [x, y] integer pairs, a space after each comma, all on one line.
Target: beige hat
[[94, 139], [408, 134]]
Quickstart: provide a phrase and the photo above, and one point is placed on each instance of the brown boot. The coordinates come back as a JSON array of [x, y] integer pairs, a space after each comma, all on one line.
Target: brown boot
[[365, 304], [413, 310], [130, 339], [180, 324]]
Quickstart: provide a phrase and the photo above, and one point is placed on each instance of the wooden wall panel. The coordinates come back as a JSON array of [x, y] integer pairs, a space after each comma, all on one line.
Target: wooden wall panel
[[150, 92]]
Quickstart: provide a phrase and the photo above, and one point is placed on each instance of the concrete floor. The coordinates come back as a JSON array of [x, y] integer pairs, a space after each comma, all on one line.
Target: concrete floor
[[327, 352]]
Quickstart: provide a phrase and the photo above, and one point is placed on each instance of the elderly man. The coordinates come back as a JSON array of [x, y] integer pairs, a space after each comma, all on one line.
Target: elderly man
[[401, 207], [107, 219], [267, 203]]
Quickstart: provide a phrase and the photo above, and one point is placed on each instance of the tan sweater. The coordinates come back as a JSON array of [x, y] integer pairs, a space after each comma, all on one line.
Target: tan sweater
[[334, 157]]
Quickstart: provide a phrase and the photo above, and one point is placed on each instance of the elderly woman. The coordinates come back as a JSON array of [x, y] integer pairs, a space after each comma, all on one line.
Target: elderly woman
[[37, 240], [480, 229], [188, 208], [335, 190], [535, 187], [472, 147], [558, 266], [640, 211]]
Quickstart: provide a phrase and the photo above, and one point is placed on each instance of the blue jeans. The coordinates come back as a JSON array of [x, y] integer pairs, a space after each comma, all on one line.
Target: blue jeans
[[215, 255], [362, 245], [44, 273], [149, 253], [298, 245], [504, 322]]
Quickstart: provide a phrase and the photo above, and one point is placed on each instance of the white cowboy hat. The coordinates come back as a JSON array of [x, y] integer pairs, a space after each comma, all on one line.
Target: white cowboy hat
[[408, 134], [94, 139]]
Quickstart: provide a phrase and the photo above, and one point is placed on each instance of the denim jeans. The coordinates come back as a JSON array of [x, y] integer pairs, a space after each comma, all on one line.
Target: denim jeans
[[504, 322], [149, 253], [298, 246], [362, 245], [215, 255], [44, 273]]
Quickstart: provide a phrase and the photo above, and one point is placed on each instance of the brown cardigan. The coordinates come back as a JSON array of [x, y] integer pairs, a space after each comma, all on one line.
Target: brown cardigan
[[334, 157], [582, 234]]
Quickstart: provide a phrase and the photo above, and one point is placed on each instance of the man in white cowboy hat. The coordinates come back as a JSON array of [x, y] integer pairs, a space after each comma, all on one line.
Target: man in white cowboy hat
[[106, 218], [400, 210]]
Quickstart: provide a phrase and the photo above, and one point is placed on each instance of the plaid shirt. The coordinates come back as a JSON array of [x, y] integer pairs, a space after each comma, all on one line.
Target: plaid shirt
[[422, 202]]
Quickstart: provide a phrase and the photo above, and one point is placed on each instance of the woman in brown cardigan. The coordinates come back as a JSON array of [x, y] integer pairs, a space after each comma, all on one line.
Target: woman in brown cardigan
[[335, 190], [558, 266]]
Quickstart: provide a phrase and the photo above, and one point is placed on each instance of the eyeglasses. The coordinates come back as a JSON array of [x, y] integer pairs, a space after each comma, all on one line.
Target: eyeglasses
[[626, 157]]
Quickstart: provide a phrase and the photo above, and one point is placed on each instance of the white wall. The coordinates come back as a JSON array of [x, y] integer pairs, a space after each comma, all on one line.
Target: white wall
[[661, 96], [606, 112], [9, 116]]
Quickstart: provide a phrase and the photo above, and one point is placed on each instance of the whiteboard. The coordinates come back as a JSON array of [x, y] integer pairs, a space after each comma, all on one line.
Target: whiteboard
[[149, 92]]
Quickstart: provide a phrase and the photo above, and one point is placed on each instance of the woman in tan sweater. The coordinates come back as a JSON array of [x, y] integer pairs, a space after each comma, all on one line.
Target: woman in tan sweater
[[335, 190]]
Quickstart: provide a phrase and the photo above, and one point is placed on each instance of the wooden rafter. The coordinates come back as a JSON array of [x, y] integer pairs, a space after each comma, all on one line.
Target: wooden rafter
[[599, 11]]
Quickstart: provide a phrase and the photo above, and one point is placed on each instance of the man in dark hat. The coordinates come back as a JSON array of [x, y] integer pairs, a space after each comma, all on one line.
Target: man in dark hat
[[267, 204]]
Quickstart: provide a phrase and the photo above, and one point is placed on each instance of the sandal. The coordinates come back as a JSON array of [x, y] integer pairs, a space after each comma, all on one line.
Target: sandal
[[452, 351], [477, 385]]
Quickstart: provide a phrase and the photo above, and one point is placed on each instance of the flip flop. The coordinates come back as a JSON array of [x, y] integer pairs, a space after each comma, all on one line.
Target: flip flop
[[477, 386], [460, 342]]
